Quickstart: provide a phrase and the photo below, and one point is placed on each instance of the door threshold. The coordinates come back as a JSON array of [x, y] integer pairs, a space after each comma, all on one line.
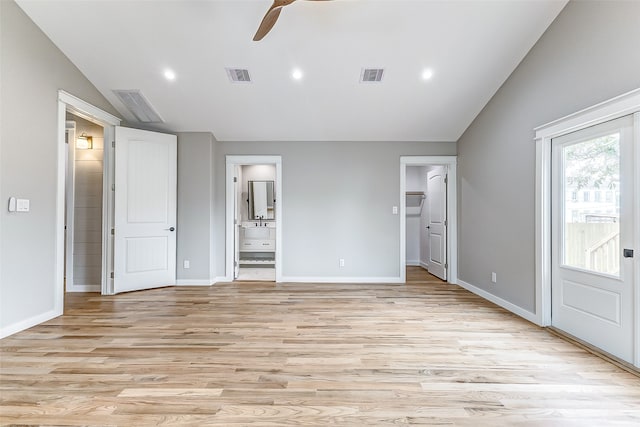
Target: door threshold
[[595, 350]]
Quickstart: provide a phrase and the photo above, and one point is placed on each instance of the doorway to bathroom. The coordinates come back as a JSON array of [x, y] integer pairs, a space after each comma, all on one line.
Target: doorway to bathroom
[[428, 215], [254, 218]]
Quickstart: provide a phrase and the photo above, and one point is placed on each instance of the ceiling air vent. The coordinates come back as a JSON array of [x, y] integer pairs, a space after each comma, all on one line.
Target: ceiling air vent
[[371, 75], [138, 105], [238, 75]]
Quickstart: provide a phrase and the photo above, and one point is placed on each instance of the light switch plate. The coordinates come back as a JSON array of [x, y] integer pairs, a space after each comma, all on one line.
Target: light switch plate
[[394, 210], [22, 205]]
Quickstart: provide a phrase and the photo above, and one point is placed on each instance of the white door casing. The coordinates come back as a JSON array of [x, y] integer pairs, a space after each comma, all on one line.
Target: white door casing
[[145, 210], [449, 163], [237, 204], [232, 162], [592, 283], [437, 230], [619, 106], [69, 203]]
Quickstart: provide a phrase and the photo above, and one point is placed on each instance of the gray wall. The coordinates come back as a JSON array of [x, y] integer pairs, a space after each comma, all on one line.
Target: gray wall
[[32, 70], [195, 189], [589, 54], [337, 200]]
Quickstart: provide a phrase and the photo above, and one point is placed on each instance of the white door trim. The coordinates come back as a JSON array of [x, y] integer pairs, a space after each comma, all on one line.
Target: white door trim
[[70, 129], [80, 108], [231, 162], [626, 104], [450, 163]]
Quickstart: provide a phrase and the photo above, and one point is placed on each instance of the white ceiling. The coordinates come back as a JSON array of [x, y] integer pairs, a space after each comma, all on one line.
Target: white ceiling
[[471, 46]]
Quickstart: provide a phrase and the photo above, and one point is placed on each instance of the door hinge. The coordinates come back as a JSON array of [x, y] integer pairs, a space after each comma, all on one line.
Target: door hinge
[[113, 144], [446, 266], [113, 187], [446, 179], [445, 222], [112, 274], [235, 179], [113, 231]]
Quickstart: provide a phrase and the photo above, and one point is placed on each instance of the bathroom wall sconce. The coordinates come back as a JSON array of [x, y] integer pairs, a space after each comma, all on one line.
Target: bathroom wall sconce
[[84, 142]]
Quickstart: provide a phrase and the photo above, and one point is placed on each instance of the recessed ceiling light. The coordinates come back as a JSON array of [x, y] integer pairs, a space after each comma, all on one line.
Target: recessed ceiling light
[[297, 74], [427, 74], [169, 75]]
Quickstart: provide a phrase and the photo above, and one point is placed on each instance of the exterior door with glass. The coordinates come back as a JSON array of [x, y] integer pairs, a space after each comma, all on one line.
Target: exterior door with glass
[[592, 233]]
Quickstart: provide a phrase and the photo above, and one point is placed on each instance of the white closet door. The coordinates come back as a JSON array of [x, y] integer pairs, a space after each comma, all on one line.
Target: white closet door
[[437, 229]]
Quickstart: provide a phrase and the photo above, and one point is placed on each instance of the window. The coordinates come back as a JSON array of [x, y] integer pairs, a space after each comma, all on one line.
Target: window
[[585, 196], [608, 196]]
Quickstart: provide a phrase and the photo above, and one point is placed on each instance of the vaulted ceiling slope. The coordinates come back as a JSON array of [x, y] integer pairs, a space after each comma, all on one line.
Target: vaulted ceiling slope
[[469, 47]]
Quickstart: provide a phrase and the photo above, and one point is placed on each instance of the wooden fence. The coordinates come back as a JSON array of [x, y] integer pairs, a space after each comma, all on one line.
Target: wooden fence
[[593, 246]]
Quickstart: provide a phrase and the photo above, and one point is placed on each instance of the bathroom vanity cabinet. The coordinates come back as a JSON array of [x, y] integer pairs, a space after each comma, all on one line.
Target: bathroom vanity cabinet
[[257, 244]]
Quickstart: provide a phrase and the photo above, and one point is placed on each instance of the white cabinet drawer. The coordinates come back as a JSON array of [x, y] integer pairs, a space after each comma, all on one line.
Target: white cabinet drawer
[[258, 245]]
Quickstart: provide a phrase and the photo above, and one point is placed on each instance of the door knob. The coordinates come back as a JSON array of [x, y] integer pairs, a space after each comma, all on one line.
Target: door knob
[[171, 228]]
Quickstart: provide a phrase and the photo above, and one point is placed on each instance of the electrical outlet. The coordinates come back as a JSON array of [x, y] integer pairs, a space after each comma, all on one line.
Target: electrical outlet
[[341, 262], [186, 264], [494, 277]]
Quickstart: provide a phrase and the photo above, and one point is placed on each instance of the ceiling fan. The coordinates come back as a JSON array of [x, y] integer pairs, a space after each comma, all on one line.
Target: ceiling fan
[[271, 17]]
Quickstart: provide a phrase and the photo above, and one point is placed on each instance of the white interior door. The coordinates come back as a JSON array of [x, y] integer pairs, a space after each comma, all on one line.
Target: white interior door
[[437, 225], [592, 225], [145, 210]]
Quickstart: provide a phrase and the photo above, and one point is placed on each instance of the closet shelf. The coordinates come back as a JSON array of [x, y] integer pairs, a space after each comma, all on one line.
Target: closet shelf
[[414, 202]]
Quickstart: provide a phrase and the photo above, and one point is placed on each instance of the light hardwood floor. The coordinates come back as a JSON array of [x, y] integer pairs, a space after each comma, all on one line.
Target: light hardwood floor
[[304, 354]]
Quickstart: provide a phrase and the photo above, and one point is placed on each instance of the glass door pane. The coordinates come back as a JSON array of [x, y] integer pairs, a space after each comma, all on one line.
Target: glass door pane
[[591, 204]]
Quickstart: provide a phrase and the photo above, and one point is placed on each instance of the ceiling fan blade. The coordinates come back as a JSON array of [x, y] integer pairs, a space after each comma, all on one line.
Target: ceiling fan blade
[[270, 18]]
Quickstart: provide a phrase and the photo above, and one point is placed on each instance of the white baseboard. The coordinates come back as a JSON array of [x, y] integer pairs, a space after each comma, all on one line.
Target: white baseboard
[[5, 331], [307, 279], [84, 288], [193, 282], [424, 265], [525, 314], [413, 263]]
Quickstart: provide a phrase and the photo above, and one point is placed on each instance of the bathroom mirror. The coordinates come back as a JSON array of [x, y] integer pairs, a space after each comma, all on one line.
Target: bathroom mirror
[[261, 200]]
